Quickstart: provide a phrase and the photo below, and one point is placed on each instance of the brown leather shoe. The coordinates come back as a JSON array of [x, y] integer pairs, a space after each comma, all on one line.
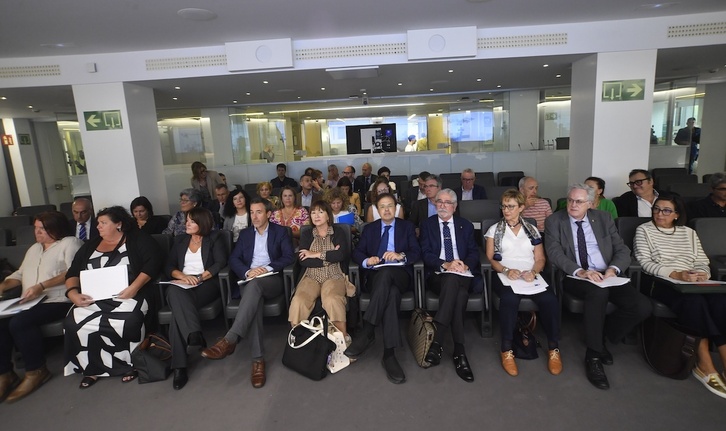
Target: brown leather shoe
[[32, 381], [8, 381], [258, 374], [220, 350], [554, 363], [508, 363]]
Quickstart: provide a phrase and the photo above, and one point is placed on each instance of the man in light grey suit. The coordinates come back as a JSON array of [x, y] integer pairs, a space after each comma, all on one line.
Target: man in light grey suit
[[584, 242]]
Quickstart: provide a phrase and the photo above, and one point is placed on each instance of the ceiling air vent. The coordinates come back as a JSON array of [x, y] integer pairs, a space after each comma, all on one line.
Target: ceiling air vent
[[186, 62], [30, 71], [691, 30], [351, 51], [521, 41]]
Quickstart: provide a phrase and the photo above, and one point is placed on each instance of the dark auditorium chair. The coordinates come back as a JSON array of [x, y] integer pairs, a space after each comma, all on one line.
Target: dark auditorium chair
[[25, 235], [12, 223], [712, 233], [496, 192], [665, 182], [509, 178], [34, 210], [485, 179]]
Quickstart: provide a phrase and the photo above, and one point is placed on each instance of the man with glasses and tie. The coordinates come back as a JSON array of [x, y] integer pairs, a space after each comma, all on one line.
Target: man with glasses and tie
[[452, 269], [638, 202], [386, 240], [85, 225], [584, 243]]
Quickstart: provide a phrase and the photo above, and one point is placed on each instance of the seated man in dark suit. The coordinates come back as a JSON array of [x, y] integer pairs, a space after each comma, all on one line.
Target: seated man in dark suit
[[364, 181], [468, 190], [387, 239], [85, 226], [713, 205], [416, 192], [639, 200], [281, 180], [583, 242], [450, 254], [425, 208], [263, 247], [221, 192]]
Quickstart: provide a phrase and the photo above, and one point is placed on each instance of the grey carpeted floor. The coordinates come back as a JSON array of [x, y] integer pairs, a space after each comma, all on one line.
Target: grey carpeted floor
[[219, 395]]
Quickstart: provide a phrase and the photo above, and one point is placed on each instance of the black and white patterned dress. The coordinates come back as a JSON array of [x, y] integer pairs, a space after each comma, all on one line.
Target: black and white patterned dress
[[99, 338]]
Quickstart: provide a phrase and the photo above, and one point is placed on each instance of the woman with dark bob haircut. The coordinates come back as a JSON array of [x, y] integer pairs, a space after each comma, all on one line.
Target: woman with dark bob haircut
[[194, 262], [668, 250], [42, 273], [143, 212], [101, 334], [237, 213]]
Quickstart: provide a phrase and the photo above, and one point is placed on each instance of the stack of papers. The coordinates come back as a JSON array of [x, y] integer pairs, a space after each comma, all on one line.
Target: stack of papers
[[607, 282], [104, 283], [521, 287], [13, 306], [245, 281]]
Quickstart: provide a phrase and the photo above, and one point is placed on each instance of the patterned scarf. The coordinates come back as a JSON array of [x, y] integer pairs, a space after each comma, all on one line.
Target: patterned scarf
[[529, 229]]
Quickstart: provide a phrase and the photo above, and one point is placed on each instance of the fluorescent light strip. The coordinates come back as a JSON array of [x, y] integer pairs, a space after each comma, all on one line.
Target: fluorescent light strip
[[348, 108], [247, 114]]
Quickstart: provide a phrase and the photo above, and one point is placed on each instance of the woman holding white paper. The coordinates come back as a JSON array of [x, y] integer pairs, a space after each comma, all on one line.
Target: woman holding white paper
[[195, 260], [666, 248], [514, 248], [41, 274], [100, 335]]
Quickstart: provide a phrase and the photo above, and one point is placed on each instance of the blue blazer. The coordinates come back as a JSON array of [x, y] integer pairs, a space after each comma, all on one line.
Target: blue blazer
[[404, 241], [477, 192], [465, 244], [279, 246]]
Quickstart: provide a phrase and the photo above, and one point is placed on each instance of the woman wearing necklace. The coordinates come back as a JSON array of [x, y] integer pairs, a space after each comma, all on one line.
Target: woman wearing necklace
[[514, 248], [195, 259], [237, 213], [668, 249], [324, 255], [101, 334], [290, 214]]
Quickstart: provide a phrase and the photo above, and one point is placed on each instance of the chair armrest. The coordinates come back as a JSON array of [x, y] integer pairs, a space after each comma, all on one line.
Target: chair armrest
[[289, 282], [419, 283], [162, 292], [354, 275], [225, 290]]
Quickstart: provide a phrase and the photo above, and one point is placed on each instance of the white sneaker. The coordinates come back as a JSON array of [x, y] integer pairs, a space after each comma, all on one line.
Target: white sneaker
[[712, 382]]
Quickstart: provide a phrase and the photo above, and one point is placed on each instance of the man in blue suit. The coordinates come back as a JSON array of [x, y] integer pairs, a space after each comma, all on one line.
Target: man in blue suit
[[451, 260], [261, 248], [468, 190], [387, 240]]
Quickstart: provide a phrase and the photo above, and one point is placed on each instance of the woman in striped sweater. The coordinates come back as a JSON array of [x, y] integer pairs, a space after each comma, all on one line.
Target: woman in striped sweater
[[669, 250]]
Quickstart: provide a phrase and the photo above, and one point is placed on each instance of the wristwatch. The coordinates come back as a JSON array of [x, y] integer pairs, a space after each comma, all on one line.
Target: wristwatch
[[505, 270], [403, 257]]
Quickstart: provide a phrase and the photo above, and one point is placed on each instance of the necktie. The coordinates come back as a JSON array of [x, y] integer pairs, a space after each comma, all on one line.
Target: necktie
[[581, 245], [448, 244], [383, 246], [82, 232]]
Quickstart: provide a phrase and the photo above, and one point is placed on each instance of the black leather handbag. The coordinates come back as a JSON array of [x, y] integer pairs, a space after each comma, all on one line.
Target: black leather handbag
[[308, 348], [524, 343], [152, 359], [669, 348]]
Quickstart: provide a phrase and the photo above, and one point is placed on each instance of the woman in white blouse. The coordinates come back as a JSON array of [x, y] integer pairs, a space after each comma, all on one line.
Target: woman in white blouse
[[42, 273], [514, 248], [236, 213]]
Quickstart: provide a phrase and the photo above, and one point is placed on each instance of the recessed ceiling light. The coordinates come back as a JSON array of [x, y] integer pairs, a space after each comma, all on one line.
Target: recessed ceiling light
[[196, 14], [175, 98], [3, 98], [431, 89], [299, 97], [499, 86], [658, 5], [234, 101], [265, 82], [478, 79], [400, 83], [451, 70], [322, 88], [30, 106], [177, 88], [558, 76], [58, 45], [248, 93], [545, 65]]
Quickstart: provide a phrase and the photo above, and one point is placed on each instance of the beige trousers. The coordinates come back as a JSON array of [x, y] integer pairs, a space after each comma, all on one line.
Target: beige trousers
[[332, 293]]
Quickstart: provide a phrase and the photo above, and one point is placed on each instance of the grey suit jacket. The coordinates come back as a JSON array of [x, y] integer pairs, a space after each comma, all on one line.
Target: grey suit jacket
[[560, 244]]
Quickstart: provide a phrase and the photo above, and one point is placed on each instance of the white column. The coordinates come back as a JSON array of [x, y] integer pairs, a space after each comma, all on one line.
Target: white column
[[712, 155], [523, 115], [122, 163], [217, 134], [610, 138]]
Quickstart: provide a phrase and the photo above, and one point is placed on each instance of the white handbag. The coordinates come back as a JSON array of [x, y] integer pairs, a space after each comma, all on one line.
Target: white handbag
[[337, 360]]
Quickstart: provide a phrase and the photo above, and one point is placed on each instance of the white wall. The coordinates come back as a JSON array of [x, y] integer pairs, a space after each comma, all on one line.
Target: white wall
[[523, 129], [712, 156]]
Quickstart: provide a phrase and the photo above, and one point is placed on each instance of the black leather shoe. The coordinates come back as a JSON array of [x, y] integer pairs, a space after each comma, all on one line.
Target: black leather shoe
[[433, 356], [180, 378], [596, 373], [463, 369], [394, 372], [358, 346], [605, 356], [196, 342]]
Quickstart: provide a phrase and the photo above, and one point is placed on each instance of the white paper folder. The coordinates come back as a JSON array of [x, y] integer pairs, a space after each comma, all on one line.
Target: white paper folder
[[104, 283]]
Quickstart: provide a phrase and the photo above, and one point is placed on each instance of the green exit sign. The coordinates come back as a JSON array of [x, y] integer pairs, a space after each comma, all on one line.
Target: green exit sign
[[102, 120], [619, 91]]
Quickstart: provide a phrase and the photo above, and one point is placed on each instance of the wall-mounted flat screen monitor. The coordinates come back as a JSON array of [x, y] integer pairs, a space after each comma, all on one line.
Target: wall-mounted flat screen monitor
[[371, 138]]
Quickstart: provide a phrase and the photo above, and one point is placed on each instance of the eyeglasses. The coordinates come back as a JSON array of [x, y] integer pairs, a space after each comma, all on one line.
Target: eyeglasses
[[576, 202], [440, 202], [431, 186], [508, 207], [467, 179], [664, 211], [636, 182]]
